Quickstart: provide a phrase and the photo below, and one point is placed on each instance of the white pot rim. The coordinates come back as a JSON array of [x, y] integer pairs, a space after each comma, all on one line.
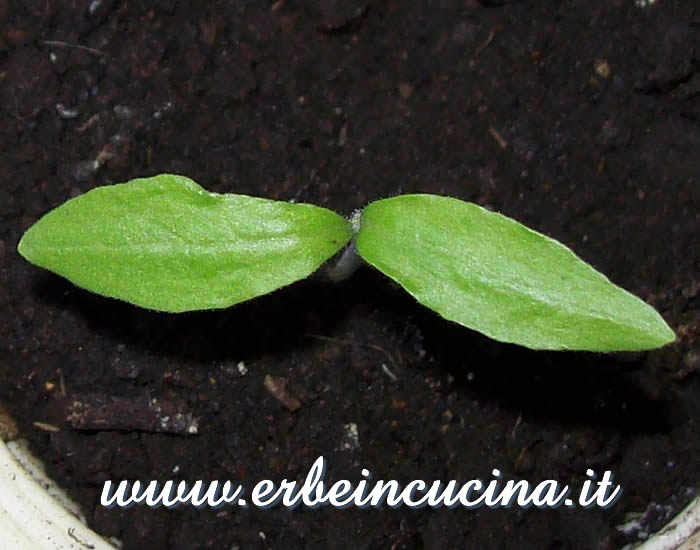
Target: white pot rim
[[37, 515], [30, 517], [681, 533]]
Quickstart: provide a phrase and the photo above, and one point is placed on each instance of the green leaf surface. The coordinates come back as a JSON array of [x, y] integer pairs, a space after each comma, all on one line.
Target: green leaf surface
[[167, 244], [494, 275]]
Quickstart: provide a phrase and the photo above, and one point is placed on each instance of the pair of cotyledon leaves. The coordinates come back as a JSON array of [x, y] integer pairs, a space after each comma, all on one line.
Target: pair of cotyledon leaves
[[167, 244]]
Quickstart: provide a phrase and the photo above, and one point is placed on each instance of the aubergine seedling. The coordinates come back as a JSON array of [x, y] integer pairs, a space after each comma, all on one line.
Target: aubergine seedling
[[167, 244]]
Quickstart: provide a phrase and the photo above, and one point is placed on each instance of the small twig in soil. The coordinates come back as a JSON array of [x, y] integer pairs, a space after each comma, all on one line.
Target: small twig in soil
[[61, 44], [485, 45], [353, 343], [518, 421], [88, 123], [304, 187], [46, 427], [503, 144], [388, 372], [521, 455], [96, 411], [61, 382]]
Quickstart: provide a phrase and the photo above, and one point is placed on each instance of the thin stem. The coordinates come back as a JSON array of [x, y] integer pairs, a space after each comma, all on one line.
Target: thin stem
[[346, 265], [349, 260]]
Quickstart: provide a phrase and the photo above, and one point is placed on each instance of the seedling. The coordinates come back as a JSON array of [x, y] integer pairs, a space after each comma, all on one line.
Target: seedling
[[167, 244]]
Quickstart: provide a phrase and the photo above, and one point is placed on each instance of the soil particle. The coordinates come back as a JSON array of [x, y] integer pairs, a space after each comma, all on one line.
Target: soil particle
[[8, 427], [277, 386]]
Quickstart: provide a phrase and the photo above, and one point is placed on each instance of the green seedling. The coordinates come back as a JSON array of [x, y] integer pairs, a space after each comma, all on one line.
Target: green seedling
[[167, 244]]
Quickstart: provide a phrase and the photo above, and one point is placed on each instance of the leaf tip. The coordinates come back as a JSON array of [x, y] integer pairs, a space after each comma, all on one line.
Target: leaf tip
[[666, 335], [24, 247], [656, 333]]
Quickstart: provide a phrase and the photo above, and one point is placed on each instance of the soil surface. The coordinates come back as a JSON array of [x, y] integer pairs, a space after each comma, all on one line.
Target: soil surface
[[580, 119]]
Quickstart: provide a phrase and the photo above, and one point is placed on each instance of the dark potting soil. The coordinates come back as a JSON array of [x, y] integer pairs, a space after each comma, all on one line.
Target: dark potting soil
[[580, 119]]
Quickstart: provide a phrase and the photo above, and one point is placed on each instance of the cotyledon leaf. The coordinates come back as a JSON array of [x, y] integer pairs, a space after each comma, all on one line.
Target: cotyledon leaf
[[492, 274], [165, 243]]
